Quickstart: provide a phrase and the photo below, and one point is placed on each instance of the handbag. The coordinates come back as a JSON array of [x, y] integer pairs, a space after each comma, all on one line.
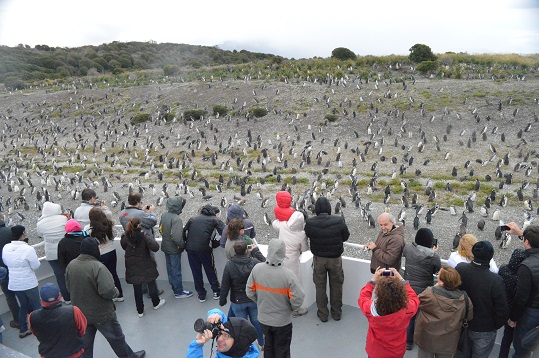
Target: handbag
[[465, 343]]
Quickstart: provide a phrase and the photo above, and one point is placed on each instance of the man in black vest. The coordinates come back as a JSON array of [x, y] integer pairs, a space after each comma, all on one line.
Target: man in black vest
[[59, 329], [525, 312]]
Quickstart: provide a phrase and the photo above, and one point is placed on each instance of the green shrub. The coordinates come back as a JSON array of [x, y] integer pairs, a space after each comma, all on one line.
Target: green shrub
[[194, 114], [118, 71], [222, 110], [342, 53], [331, 117], [140, 118], [420, 53], [258, 112], [427, 66], [171, 70]]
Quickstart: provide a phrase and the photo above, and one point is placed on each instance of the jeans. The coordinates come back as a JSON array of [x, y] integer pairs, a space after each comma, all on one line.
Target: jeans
[[482, 344], [528, 320], [139, 299], [505, 345], [197, 260], [11, 299], [29, 301], [324, 267], [112, 331], [174, 271], [410, 330], [109, 260], [249, 309], [60, 278], [278, 340]]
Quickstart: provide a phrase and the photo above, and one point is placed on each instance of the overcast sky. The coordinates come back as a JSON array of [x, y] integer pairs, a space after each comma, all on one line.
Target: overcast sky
[[291, 28]]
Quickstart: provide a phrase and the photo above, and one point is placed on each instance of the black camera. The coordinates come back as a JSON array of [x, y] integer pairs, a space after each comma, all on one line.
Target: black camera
[[387, 273], [201, 325], [147, 207]]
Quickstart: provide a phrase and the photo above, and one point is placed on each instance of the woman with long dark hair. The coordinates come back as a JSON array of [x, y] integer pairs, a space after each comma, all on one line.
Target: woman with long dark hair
[[389, 303], [101, 229], [140, 267]]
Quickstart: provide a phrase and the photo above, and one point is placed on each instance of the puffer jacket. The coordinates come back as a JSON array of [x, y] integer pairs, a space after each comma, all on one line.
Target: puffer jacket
[[420, 266], [235, 275], [140, 267], [199, 229], [275, 289], [283, 211], [326, 232], [293, 235], [51, 227], [439, 319], [21, 261], [172, 226]]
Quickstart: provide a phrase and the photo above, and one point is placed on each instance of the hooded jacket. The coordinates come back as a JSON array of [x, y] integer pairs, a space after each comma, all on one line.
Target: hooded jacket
[[242, 333], [51, 227], [421, 263], [236, 211], [235, 275], [295, 240], [275, 288], [140, 267], [91, 284], [388, 251], [172, 226], [326, 232], [386, 336], [69, 248], [439, 319], [199, 229], [21, 261], [283, 211]]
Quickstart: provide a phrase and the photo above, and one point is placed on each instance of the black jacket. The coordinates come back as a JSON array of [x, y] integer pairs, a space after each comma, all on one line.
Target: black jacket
[[5, 238], [69, 248], [235, 275], [527, 293], [140, 266], [199, 229], [487, 292], [326, 232]]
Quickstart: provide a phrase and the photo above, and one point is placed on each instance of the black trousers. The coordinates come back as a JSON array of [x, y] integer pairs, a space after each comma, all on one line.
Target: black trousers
[[277, 341], [139, 299]]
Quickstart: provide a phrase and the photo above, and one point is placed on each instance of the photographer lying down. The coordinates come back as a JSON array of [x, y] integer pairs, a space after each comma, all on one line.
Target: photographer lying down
[[234, 336]]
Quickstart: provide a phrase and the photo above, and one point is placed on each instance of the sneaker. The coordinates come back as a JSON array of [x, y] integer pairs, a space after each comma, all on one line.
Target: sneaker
[[140, 354], [119, 299], [14, 324], [202, 298], [160, 304], [299, 312], [184, 294], [409, 346], [141, 315], [216, 295], [25, 334]]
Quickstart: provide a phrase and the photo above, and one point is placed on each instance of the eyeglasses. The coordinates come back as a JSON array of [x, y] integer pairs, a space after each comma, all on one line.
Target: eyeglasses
[[224, 335]]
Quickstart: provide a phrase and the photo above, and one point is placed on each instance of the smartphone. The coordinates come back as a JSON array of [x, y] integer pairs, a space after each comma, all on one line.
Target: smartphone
[[434, 242], [387, 273], [504, 228]]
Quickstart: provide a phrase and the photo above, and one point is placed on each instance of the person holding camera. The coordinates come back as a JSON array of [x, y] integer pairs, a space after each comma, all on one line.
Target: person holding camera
[[146, 214], [234, 336], [389, 302], [421, 263]]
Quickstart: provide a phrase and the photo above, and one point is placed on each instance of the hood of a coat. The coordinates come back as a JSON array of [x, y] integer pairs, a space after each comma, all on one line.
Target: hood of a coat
[[175, 204], [296, 221], [276, 252], [283, 211], [448, 301], [322, 205], [207, 210], [50, 209]]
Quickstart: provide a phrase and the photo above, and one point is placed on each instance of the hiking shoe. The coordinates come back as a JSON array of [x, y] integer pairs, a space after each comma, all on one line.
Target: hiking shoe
[[216, 295], [160, 304], [184, 294], [202, 298]]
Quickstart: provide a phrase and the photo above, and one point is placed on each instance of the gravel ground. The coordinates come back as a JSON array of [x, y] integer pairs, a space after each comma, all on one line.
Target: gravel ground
[[81, 136]]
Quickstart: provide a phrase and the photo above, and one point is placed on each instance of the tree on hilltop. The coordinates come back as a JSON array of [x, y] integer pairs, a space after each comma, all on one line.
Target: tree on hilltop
[[420, 53], [342, 53]]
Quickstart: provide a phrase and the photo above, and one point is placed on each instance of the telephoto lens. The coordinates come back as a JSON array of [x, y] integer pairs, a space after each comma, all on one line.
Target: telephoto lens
[[201, 325]]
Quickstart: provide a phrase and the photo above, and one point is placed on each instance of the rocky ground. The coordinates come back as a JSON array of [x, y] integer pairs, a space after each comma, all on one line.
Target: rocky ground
[[57, 141]]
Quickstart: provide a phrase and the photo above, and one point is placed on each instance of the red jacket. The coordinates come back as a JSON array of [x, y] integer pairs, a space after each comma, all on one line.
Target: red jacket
[[386, 337]]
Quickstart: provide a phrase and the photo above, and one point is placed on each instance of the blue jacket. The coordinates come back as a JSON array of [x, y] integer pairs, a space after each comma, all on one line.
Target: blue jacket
[[196, 350]]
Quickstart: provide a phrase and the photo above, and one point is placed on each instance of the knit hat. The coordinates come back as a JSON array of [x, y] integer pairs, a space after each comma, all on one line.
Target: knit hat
[[243, 333], [424, 237], [72, 225], [17, 231], [49, 293], [482, 252], [89, 246]]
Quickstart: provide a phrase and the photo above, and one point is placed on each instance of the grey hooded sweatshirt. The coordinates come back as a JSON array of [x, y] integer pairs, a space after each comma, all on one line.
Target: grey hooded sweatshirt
[[172, 226], [274, 288]]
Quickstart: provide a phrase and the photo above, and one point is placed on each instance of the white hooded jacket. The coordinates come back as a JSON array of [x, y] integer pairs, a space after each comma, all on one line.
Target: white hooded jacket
[[21, 261], [51, 227], [293, 235]]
